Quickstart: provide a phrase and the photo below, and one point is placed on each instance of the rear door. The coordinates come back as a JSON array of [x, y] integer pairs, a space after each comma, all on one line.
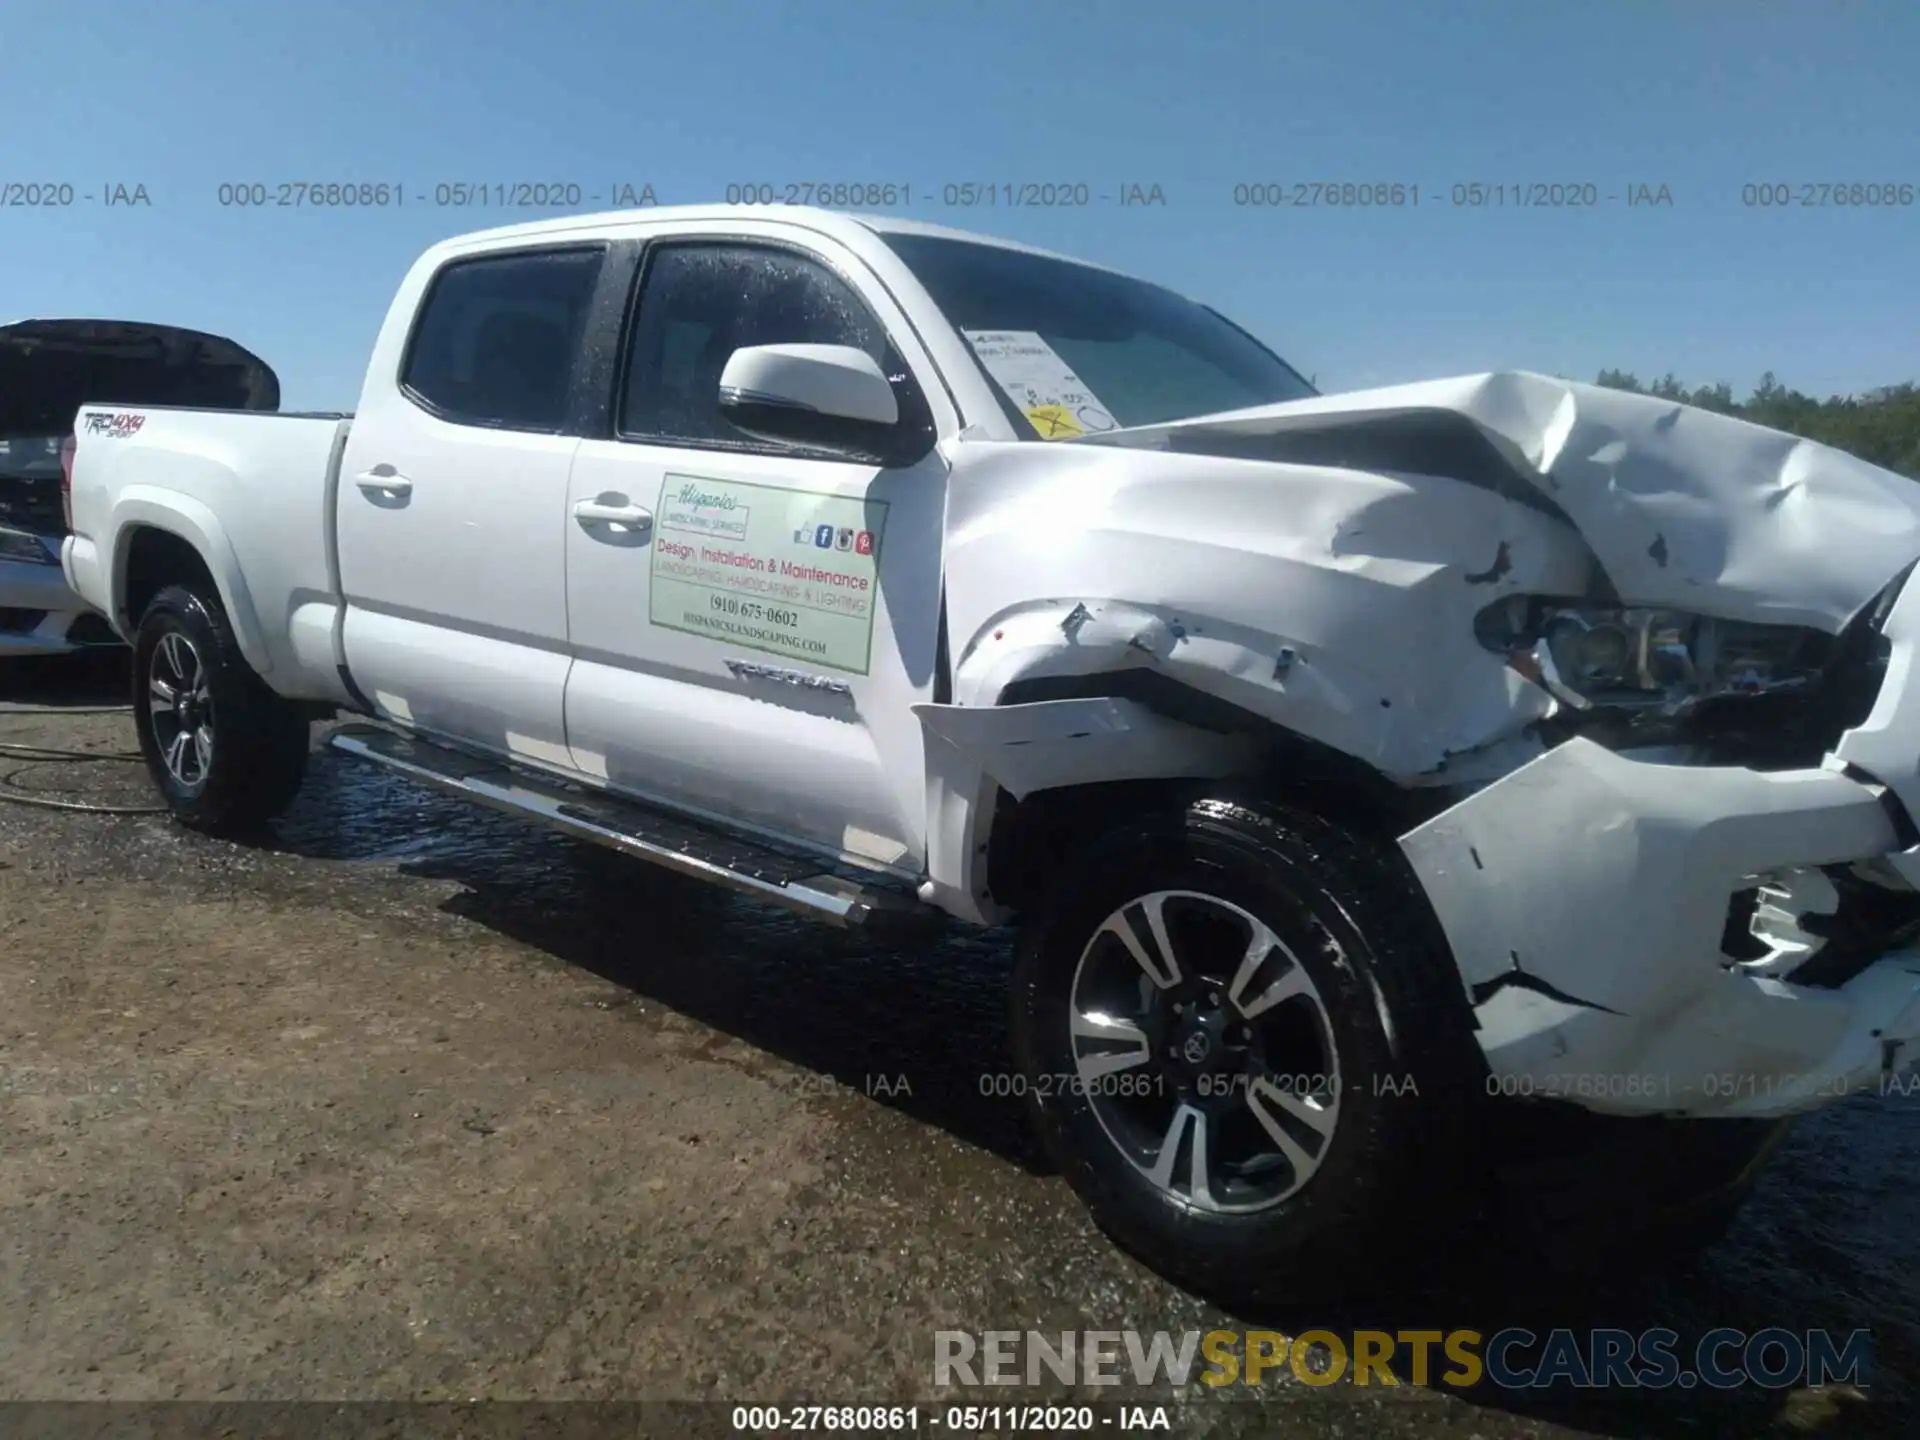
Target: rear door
[[452, 501], [748, 639]]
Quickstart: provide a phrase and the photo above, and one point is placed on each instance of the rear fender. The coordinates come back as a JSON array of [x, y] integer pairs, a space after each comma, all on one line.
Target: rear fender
[[150, 507]]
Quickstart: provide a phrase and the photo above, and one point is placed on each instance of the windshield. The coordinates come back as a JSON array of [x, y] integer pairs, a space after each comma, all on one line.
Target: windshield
[[1072, 350]]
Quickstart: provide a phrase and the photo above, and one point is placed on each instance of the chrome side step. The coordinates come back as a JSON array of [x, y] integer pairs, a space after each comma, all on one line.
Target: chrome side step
[[686, 847]]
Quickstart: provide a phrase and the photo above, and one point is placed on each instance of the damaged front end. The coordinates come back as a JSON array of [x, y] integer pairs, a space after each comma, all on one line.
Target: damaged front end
[[1646, 672], [1701, 899]]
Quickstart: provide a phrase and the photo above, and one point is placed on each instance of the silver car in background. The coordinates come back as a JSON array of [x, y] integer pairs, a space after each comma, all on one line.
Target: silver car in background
[[48, 369]]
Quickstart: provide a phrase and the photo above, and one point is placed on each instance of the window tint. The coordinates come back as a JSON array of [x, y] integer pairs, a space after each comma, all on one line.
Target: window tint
[[700, 303], [495, 341]]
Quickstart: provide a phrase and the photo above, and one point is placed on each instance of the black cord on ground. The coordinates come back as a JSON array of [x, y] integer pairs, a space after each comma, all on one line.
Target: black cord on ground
[[13, 795], [47, 711], [47, 752]]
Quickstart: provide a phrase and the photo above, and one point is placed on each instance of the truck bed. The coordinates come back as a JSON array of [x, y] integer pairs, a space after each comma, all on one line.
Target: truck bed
[[258, 486]]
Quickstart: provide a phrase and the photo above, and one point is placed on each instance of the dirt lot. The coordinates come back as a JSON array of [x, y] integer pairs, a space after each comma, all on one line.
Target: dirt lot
[[413, 1103]]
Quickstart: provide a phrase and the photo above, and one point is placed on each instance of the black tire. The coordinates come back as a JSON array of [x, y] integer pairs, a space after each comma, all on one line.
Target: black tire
[[1400, 1166], [259, 743]]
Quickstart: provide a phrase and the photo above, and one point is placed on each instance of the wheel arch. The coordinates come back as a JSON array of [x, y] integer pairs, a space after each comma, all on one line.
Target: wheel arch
[[172, 540], [1056, 758]]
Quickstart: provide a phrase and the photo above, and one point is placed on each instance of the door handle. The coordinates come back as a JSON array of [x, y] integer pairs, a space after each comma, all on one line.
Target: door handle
[[383, 480], [592, 512]]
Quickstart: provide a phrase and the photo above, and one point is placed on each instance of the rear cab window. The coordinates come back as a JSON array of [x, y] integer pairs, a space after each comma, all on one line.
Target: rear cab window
[[497, 336]]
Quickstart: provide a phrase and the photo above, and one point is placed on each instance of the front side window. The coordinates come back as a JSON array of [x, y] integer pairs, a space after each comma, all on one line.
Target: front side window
[[496, 339], [1073, 350], [701, 302]]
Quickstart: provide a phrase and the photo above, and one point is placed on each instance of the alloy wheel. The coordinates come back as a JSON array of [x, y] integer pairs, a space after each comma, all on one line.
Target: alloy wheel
[[1205, 1050], [180, 710]]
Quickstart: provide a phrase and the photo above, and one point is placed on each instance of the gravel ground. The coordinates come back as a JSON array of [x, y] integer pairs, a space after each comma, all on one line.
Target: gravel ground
[[413, 1103]]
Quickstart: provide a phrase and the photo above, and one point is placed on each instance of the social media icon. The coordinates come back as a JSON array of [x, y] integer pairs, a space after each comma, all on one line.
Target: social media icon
[[823, 536], [863, 543], [803, 536], [844, 540]]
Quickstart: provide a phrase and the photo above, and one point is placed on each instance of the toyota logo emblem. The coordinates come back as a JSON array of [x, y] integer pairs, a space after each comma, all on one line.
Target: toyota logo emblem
[[1196, 1048]]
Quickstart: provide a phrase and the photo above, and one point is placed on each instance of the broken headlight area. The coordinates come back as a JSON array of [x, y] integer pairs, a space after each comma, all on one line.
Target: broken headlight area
[[1819, 925], [1724, 691]]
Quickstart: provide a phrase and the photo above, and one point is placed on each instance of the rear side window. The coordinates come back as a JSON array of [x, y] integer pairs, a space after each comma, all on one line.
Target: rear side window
[[701, 302], [496, 339]]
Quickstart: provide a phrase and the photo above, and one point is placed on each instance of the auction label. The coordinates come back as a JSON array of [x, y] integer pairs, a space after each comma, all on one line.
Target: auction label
[[789, 572], [1041, 385]]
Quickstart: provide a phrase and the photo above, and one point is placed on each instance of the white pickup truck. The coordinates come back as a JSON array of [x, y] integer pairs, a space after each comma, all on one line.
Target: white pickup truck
[[1348, 761]]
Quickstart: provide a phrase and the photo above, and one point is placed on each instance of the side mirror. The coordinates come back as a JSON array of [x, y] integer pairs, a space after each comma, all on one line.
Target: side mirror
[[832, 396]]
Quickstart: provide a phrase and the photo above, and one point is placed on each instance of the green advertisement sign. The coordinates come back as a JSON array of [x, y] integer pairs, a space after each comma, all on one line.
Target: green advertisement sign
[[789, 572]]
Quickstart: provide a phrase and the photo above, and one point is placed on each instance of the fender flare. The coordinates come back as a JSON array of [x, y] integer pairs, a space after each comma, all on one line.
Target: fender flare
[[974, 752], [1051, 744], [151, 507]]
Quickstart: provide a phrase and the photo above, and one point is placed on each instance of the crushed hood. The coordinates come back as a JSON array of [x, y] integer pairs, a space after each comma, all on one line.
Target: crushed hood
[[50, 368], [1680, 506]]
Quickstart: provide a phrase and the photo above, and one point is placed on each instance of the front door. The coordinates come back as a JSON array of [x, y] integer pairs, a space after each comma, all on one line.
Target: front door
[[750, 620]]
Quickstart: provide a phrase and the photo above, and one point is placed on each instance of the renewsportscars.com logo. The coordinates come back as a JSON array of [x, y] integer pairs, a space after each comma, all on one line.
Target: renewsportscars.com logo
[[1512, 1359]]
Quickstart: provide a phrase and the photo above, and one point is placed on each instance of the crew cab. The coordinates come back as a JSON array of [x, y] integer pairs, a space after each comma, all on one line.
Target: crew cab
[[47, 368], [1348, 762]]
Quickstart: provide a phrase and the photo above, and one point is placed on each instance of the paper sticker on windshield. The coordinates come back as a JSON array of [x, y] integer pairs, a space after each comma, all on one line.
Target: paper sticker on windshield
[[1041, 385], [790, 572]]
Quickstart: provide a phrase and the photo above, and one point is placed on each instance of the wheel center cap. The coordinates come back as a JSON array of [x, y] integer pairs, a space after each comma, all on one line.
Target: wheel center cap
[[1199, 1044]]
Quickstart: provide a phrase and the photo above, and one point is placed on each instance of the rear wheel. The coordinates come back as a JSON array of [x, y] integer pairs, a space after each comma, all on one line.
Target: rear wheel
[[223, 749], [1245, 1053]]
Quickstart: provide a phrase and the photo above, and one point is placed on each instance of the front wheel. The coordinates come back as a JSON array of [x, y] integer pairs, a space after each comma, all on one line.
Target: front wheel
[[1245, 1052], [224, 751]]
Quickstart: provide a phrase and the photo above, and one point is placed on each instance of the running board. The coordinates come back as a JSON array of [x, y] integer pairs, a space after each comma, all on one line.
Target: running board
[[687, 847]]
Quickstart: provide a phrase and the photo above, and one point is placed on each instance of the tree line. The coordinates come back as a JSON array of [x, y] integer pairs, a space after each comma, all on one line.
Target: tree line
[[1882, 426]]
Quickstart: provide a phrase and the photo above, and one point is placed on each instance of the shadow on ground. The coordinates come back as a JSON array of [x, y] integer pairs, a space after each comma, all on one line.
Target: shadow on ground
[[921, 1027], [62, 682]]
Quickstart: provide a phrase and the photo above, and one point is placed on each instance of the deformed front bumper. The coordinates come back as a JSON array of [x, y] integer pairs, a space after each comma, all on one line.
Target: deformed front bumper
[[1586, 897]]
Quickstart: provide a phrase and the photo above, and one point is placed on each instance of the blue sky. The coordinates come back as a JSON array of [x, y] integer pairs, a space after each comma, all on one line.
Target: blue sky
[[1701, 96]]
